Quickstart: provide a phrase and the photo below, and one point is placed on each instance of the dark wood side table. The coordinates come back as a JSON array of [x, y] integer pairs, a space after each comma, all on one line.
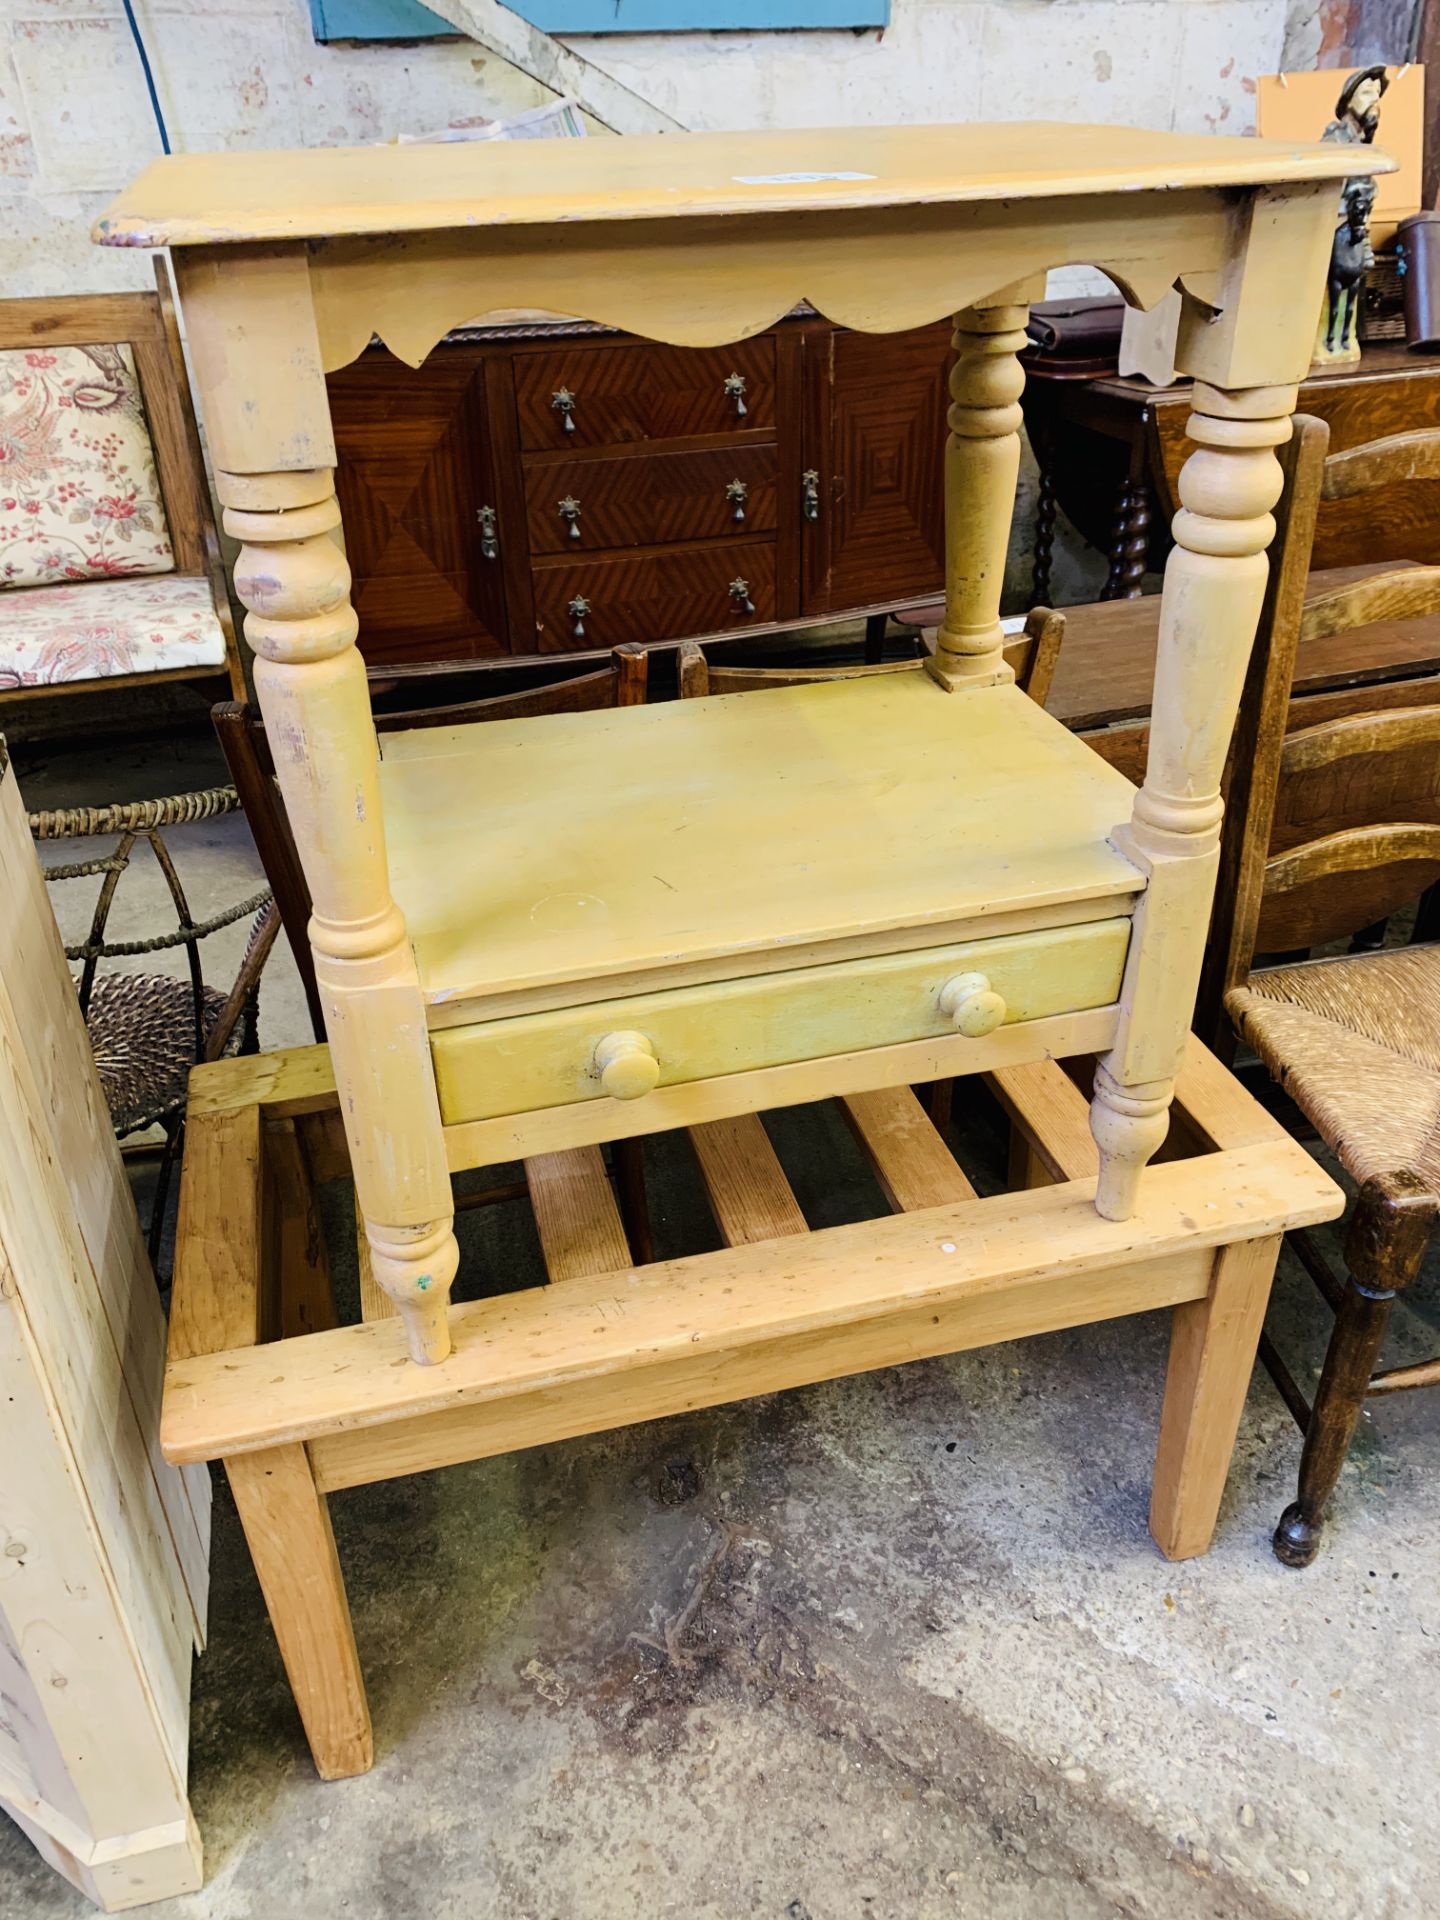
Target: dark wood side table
[[1107, 666], [1110, 452]]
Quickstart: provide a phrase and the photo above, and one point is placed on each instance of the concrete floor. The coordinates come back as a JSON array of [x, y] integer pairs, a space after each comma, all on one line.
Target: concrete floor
[[894, 1648]]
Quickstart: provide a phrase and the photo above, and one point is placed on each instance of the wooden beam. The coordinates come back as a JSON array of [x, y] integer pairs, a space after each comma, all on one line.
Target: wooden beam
[[832, 1292], [575, 1214], [1049, 1110], [744, 1181], [914, 1166], [218, 1300], [679, 1384]]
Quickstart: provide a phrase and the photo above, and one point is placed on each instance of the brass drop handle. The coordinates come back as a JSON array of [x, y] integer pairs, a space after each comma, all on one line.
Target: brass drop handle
[[740, 594], [569, 511], [969, 1000], [737, 493], [563, 403], [489, 538], [626, 1065], [577, 610], [735, 390], [810, 493]]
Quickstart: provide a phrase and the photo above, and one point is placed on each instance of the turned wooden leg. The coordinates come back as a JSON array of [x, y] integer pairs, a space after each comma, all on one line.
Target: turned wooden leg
[[1214, 584], [1134, 544], [1114, 553], [292, 576], [1044, 550], [287, 1528], [1212, 1355], [982, 465], [1389, 1231]]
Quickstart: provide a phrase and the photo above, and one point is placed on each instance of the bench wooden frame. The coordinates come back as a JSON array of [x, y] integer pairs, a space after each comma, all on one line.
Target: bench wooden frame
[[260, 1376]]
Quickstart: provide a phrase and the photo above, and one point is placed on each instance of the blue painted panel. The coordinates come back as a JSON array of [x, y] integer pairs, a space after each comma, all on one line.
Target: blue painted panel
[[376, 20], [407, 20], [697, 16]]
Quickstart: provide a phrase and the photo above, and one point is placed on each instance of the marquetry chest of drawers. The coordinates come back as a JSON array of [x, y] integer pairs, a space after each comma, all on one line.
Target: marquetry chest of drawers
[[537, 490]]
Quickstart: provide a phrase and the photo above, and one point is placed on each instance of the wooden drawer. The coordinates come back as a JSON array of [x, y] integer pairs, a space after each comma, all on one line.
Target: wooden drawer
[[650, 499], [733, 1026], [652, 596], [642, 392]]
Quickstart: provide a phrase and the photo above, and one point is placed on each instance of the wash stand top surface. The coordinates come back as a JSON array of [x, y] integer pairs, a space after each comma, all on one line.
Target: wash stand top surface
[[749, 822], [328, 192]]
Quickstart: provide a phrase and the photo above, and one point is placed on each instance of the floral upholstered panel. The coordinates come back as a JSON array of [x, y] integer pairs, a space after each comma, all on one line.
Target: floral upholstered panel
[[109, 627], [79, 497]]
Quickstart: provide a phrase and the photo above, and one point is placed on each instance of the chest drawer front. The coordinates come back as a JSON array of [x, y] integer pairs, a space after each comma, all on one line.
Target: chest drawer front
[[650, 500], [638, 392], [654, 596], [734, 1026]]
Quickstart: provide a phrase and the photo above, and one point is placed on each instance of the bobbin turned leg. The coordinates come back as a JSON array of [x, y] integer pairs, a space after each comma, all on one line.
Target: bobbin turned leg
[[1214, 584], [982, 465], [292, 576]]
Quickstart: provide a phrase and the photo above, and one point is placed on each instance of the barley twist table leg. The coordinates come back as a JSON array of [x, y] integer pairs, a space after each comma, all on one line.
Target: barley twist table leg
[[292, 576], [1214, 584], [982, 465]]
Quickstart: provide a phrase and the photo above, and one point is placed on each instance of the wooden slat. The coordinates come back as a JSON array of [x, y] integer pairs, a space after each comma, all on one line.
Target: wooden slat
[[744, 1181], [1387, 462], [914, 1166], [1219, 1109], [832, 1287], [80, 319], [218, 1301], [1050, 1110], [1409, 593], [575, 1214]]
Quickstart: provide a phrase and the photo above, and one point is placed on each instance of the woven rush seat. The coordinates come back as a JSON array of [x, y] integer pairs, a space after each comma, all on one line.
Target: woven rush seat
[[142, 1033], [1355, 1042]]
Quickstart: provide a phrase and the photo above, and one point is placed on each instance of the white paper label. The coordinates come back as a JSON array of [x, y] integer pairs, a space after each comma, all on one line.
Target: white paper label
[[792, 179]]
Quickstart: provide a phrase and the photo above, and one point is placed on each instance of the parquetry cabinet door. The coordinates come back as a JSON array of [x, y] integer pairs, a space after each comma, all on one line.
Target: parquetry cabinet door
[[423, 530], [875, 531]]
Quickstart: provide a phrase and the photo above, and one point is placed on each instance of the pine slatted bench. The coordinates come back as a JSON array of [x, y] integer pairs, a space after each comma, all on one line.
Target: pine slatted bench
[[260, 1376]]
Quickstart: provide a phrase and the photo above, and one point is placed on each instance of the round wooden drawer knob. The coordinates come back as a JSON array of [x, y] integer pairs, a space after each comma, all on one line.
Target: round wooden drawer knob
[[627, 1065], [970, 1002]]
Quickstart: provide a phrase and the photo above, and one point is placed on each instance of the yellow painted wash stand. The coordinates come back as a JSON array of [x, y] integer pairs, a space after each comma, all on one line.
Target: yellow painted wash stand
[[538, 935]]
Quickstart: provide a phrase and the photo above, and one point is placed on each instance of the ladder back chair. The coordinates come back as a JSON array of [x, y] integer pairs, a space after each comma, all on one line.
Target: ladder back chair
[[1031, 656], [1318, 856]]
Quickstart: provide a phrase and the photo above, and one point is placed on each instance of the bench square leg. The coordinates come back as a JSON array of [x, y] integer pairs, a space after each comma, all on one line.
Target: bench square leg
[[287, 1527], [1212, 1355]]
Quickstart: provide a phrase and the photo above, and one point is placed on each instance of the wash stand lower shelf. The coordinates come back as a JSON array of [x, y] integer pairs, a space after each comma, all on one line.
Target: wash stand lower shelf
[[260, 1377]]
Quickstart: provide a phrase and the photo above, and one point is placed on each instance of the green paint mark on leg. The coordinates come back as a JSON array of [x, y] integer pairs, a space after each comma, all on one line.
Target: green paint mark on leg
[[423, 1282]]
